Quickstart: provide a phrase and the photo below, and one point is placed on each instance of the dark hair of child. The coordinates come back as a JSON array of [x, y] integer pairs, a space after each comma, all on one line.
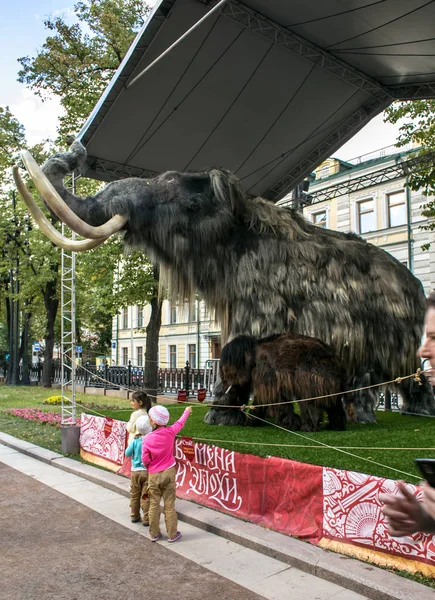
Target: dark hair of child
[[143, 400]]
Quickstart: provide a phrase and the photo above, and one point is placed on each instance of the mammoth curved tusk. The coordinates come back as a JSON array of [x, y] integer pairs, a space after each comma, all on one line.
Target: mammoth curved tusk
[[62, 210], [44, 224]]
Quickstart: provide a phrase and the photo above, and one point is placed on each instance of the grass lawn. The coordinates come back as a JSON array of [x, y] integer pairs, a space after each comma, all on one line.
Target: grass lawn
[[384, 443]]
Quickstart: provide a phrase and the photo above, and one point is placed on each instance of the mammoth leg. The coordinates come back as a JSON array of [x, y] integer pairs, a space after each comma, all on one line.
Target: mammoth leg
[[259, 411], [349, 407], [336, 414], [237, 396], [309, 416], [287, 417], [365, 401], [417, 399]]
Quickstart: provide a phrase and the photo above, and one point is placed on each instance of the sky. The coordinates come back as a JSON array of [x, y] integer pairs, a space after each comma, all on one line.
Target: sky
[[22, 32]]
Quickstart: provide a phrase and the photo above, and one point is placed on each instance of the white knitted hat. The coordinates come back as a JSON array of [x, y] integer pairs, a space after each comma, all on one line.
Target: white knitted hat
[[159, 414], [143, 425]]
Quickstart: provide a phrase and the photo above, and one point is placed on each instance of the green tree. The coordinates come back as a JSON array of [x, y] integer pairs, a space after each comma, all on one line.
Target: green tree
[[29, 262], [75, 63], [417, 127]]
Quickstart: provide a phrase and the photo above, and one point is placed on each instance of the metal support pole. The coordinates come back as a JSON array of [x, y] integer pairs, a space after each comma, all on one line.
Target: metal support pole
[[198, 336], [68, 333], [12, 371], [409, 224], [180, 39]]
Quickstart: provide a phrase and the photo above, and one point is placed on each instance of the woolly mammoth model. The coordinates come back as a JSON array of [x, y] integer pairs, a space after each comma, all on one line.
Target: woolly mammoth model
[[283, 368], [262, 268]]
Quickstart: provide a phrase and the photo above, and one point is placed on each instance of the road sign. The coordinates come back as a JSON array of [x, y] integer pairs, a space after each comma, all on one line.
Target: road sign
[[79, 349], [36, 347], [113, 344]]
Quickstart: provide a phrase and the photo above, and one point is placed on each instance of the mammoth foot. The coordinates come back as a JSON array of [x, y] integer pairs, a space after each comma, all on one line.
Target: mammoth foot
[[415, 411], [362, 416], [310, 427], [225, 416], [290, 421], [335, 426]]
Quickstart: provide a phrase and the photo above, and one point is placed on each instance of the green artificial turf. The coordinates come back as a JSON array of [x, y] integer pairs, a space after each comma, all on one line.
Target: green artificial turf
[[392, 433]]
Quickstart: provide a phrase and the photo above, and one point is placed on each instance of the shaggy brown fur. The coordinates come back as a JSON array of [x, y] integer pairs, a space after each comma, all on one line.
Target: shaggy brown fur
[[283, 368], [264, 268]]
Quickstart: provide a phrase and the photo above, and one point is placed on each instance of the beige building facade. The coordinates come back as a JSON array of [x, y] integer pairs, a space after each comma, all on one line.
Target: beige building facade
[[188, 333], [377, 205]]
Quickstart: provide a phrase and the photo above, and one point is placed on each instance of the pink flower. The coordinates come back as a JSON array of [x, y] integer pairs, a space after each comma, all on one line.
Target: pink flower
[[31, 414]]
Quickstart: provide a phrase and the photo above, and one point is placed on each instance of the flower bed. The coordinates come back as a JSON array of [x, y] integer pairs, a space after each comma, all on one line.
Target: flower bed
[[31, 414]]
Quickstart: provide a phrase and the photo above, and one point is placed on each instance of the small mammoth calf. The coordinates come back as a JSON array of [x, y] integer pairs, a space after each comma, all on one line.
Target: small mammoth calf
[[282, 368]]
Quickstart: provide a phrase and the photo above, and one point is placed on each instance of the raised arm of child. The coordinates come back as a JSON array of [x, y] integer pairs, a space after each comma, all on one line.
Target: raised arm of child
[[178, 425]]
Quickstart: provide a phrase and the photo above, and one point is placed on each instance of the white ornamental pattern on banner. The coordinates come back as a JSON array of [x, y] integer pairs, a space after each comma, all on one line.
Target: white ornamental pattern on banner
[[103, 437], [352, 514], [213, 475]]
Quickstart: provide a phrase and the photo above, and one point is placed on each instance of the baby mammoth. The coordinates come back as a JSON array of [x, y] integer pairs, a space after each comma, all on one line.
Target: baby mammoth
[[285, 367]]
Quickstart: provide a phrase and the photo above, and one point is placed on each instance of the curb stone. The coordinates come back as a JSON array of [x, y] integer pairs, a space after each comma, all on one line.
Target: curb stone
[[352, 574]]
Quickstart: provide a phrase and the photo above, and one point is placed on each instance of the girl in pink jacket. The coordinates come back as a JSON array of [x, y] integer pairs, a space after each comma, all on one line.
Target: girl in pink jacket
[[158, 458]]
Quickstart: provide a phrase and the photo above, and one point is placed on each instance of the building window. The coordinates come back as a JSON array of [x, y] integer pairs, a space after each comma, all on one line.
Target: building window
[[139, 317], [124, 318], [125, 357], [319, 218], [216, 349], [206, 313], [366, 216], [192, 312], [173, 357], [139, 356], [191, 349], [172, 314], [396, 209]]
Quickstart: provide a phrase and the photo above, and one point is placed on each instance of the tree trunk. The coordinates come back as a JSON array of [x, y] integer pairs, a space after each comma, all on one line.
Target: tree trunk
[[9, 362], [152, 342], [24, 348], [51, 305]]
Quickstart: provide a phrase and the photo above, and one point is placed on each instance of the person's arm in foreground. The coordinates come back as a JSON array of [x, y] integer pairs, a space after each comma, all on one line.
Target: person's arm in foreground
[[405, 514]]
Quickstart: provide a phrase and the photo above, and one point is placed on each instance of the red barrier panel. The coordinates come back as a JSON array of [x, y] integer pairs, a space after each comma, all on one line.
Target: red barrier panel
[[352, 515], [103, 439], [338, 510], [280, 494]]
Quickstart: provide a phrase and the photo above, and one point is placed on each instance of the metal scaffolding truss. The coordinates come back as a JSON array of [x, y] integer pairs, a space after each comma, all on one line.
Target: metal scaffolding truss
[[114, 170], [339, 136], [401, 168], [68, 331], [413, 92]]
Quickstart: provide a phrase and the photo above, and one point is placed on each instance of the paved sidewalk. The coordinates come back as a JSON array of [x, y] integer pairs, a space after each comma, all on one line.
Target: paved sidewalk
[[67, 538], [56, 548], [262, 561]]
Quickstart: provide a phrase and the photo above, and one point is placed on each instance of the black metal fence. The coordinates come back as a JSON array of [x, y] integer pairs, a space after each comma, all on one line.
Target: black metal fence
[[170, 381]]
